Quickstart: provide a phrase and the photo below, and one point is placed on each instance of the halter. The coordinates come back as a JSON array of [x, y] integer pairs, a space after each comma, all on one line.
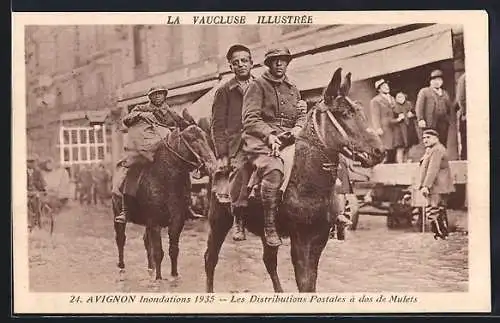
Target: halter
[[199, 162]]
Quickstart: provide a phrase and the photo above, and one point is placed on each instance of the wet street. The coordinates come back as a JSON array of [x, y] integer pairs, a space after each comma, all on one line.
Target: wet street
[[81, 256]]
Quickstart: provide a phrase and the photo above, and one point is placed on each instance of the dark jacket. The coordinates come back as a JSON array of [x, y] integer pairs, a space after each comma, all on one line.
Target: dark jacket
[[435, 171], [35, 180], [427, 105], [269, 107], [226, 125], [408, 127], [382, 114]]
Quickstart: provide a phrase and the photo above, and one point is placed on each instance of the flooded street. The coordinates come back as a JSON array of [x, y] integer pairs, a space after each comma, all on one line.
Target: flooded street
[[81, 256]]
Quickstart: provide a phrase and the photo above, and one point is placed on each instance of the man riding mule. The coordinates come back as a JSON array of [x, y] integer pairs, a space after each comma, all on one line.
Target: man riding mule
[[147, 126], [273, 114], [336, 125], [226, 128]]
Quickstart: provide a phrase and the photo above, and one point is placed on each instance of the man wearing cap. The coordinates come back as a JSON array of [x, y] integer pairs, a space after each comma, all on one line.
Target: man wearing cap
[[147, 125], [433, 106], [382, 113], [226, 127], [273, 114], [435, 181]]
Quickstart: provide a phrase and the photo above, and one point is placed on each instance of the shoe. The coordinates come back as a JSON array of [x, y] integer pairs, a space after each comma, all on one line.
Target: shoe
[[239, 230], [270, 234]]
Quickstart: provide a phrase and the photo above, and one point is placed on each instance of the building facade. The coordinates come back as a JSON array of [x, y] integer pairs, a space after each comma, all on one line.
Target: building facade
[[190, 60], [82, 79], [72, 74]]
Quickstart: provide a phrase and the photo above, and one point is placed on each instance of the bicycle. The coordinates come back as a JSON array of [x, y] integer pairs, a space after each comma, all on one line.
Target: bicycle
[[40, 213]]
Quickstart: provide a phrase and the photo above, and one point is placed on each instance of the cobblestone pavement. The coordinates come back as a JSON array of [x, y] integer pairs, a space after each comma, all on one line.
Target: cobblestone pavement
[[81, 256]]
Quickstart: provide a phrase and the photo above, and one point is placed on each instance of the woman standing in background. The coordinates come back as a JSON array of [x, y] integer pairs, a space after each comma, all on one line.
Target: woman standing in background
[[406, 135]]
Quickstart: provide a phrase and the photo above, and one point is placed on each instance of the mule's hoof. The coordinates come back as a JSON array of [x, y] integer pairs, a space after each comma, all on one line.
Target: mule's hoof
[[151, 272]]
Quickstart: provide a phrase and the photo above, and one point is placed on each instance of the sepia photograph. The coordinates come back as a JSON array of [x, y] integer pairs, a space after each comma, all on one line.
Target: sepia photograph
[[268, 157]]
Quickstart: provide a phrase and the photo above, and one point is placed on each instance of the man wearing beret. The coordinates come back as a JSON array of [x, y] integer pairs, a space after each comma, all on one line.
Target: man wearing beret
[[273, 114], [435, 182], [433, 106], [147, 125], [226, 129]]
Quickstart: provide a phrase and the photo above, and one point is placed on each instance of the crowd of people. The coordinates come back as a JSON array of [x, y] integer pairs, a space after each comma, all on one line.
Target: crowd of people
[[400, 123], [50, 182]]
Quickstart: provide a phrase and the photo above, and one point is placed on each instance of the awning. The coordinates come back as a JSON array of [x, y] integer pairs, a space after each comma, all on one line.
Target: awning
[[379, 57]]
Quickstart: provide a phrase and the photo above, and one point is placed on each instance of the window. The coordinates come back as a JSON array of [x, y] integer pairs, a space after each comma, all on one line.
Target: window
[[82, 145]]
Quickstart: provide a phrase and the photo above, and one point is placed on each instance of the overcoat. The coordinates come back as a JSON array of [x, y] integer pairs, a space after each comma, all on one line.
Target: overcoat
[[143, 138], [382, 113], [269, 107], [226, 125], [429, 104], [435, 171]]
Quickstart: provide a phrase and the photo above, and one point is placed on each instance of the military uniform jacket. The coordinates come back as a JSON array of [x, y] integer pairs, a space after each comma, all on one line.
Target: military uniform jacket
[[269, 107], [226, 125], [144, 138], [435, 171]]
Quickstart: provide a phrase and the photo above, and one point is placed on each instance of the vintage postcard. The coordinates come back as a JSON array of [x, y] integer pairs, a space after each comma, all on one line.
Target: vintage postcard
[[251, 162]]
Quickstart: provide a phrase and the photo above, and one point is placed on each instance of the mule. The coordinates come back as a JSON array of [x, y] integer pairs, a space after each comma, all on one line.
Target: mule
[[336, 125], [160, 201]]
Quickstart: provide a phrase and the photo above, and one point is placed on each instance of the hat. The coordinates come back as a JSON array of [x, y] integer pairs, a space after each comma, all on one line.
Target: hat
[[430, 131], [277, 52], [435, 74], [236, 48], [157, 89], [379, 82]]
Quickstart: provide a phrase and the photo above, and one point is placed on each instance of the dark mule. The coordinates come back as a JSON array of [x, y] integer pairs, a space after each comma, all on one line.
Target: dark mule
[[336, 125], [161, 195]]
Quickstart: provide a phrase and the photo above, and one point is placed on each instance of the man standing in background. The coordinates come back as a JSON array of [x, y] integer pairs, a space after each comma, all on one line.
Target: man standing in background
[[433, 107], [461, 116], [382, 112], [435, 182]]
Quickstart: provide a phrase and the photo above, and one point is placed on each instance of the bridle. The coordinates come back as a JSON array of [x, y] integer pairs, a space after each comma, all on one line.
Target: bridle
[[320, 132], [198, 164]]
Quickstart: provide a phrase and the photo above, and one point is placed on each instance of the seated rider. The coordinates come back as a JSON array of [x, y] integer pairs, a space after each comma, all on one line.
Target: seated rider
[[273, 114], [146, 124]]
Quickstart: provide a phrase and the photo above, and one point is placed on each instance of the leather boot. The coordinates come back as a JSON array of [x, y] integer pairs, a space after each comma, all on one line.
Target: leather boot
[[123, 216], [124, 213], [269, 193], [270, 234], [238, 227]]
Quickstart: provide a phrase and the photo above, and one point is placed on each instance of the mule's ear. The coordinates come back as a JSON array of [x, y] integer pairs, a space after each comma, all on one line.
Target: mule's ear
[[332, 90], [346, 85]]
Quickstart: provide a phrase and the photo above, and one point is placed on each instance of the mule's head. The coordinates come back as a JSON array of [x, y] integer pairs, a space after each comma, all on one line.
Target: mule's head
[[348, 130], [197, 142]]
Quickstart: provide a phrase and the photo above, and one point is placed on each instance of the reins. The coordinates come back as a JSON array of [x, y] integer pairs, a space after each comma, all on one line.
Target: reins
[[196, 165]]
